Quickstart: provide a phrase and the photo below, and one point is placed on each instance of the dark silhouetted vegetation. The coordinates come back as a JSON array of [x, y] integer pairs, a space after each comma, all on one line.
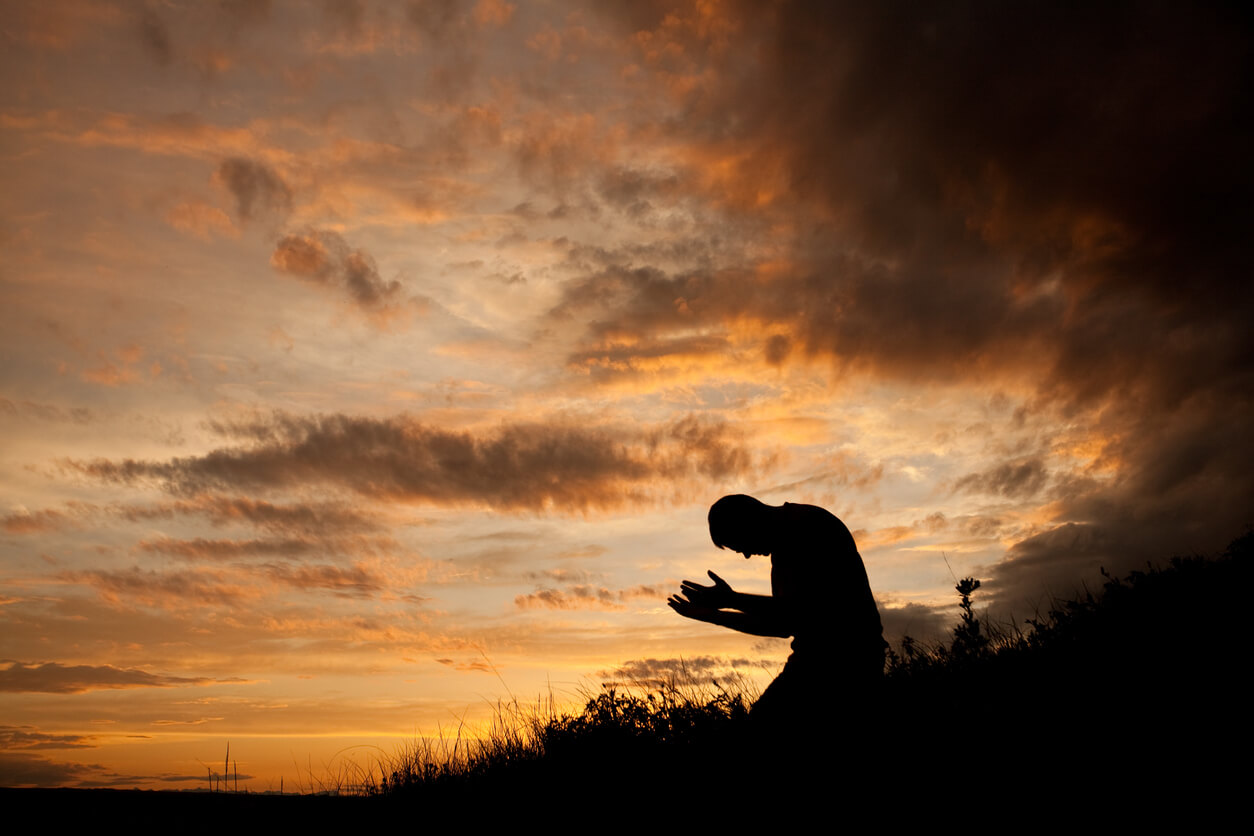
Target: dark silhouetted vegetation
[[1118, 691]]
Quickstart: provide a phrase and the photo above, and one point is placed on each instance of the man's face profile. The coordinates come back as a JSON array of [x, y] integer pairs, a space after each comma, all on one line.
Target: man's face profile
[[743, 542]]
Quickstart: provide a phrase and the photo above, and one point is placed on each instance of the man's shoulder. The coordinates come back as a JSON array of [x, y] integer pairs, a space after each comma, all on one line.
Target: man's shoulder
[[811, 514], [812, 526]]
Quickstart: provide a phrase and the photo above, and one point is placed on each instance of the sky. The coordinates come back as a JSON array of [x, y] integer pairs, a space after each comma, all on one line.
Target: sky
[[365, 364]]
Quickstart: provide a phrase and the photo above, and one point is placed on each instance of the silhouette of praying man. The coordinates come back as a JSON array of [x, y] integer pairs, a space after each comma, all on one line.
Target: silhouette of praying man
[[819, 596]]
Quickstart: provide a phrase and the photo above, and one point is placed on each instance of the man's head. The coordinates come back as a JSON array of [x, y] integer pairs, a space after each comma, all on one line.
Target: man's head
[[742, 524]]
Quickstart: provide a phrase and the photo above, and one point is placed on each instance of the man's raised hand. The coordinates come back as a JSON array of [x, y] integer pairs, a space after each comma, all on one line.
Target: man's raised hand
[[716, 597]]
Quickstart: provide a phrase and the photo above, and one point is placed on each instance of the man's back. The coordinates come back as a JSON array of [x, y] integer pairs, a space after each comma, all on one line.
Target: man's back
[[817, 573]]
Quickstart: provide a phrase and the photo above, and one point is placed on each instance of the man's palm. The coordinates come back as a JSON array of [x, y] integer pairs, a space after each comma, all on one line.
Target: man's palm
[[717, 596]]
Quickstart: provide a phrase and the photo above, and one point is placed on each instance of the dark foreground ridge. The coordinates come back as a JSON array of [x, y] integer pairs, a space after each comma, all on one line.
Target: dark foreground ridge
[[1123, 705]]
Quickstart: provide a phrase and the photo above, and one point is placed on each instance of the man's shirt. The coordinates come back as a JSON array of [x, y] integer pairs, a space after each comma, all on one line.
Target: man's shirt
[[818, 578]]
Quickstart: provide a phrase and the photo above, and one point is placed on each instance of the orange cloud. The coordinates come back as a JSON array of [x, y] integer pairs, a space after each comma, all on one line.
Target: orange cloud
[[560, 466], [27, 522], [201, 220], [325, 258], [54, 678], [584, 596], [493, 12]]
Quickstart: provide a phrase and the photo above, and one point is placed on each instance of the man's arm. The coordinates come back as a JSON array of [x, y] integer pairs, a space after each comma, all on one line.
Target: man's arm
[[758, 615], [760, 605], [753, 624]]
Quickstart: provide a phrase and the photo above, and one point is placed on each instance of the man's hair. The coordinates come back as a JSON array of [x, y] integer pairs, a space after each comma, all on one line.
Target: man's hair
[[732, 516]]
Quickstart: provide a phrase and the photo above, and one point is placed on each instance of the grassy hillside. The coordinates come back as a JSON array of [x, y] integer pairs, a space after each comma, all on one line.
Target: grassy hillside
[[1134, 693]]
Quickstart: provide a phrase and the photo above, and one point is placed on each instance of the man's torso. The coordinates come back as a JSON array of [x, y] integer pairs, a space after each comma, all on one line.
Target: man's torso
[[817, 573]]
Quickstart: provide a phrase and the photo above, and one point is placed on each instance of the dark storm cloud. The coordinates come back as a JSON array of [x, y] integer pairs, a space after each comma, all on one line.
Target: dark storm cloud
[[1053, 193], [561, 466], [918, 621], [632, 191], [1061, 189], [1183, 487], [692, 251], [1018, 479], [255, 186], [52, 678], [324, 257], [1106, 140], [850, 310]]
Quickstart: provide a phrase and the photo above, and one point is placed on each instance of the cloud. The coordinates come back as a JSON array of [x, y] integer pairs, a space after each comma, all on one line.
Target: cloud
[[562, 466], [45, 412], [53, 678], [919, 621], [636, 357], [166, 590], [255, 186], [585, 596], [202, 549], [493, 12], [472, 665], [13, 738], [1020, 479], [201, 220], [561, 576], [154, 36], [37, 522], [354, 582], [1171, 482], [944, 232], [325, 258], [304, 527], [234, 586], [1017, 196], [124, 370], [631, 191], [316, 519], [345, 15], [21, 769]]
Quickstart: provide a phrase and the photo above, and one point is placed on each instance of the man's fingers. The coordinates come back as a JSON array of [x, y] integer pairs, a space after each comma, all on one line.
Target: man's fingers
[[717, 580]]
